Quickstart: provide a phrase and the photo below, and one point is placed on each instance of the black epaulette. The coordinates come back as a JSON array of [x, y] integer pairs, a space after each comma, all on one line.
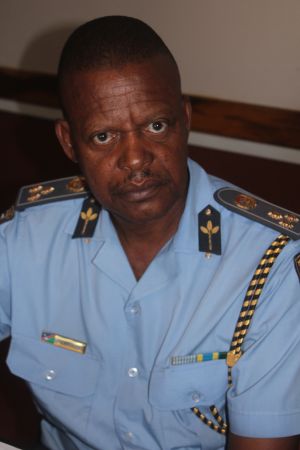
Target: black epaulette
[[59, 190], [255, 208], [47, 192], [51, 191]]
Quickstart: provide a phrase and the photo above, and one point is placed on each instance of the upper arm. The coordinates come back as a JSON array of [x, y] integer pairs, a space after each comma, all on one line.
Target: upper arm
[[244, 443]]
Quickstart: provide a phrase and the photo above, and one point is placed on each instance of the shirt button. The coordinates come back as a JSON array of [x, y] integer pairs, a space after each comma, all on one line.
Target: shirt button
[[134, 309], [128, 436], [49, 374], [133, 372], [196, 397]]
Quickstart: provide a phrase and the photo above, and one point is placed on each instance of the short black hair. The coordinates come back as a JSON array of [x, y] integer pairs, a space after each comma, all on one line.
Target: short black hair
[[110, 41]]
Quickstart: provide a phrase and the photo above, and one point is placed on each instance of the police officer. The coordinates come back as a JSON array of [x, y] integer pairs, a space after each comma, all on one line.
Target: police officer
[[151, 306]]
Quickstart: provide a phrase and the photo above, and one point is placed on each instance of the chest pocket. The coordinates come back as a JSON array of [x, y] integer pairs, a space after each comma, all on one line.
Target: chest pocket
[[190, 385], [176, 390], [61, 380]]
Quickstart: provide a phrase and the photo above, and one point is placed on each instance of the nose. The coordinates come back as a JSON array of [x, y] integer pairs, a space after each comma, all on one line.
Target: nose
[[134, 154]]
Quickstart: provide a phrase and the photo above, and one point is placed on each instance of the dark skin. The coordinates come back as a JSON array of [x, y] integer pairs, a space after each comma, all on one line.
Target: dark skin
[[242, 443], [127, 128]]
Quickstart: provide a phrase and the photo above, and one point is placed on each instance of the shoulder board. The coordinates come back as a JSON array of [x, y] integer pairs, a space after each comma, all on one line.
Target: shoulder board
[[261, 211], [7, 215], [51, 191]]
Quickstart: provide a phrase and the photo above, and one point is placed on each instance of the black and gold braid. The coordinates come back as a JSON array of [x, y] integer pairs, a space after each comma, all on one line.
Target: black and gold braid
[[246, 314], [220, 426]]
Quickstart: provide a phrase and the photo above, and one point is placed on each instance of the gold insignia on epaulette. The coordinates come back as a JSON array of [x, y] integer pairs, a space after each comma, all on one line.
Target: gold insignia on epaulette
[[33, 198], [47, 190], [275, 215], [286, 221], [35, 189], [283, 224], [39, 192], [8, 214], [291, 218], [76, 185], [245, 202]]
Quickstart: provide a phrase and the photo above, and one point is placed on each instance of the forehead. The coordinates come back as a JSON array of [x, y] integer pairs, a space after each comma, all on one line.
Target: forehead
[[155, 81]]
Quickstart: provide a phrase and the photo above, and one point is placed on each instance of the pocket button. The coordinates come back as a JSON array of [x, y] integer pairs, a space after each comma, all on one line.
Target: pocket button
[[49, 374], [196, 397]]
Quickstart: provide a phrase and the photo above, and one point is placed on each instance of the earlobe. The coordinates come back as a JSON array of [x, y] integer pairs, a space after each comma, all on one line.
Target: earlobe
[[62, 130]]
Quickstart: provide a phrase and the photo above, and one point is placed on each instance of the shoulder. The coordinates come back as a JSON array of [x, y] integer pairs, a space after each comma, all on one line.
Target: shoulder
[[44, 193], [244, 211]]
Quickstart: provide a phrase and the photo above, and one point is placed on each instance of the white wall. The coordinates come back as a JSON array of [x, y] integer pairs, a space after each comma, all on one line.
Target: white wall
[[242, 50]]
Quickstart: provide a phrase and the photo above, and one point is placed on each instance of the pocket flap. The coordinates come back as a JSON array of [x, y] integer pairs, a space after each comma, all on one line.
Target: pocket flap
[[53, 367], [187, 386]]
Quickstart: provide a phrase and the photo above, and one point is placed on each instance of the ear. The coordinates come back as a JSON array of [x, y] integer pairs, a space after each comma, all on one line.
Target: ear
[[187, 111], [63, 133]]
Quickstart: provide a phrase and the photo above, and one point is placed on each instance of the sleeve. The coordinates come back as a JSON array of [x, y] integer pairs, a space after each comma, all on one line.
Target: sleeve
[[264, 399], [5, 296]]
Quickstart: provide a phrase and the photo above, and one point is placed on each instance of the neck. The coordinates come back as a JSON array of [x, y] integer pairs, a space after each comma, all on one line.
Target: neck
[[142, 241]]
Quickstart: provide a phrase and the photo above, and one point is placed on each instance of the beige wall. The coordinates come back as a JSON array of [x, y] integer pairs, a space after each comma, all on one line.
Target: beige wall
[[242, 50]]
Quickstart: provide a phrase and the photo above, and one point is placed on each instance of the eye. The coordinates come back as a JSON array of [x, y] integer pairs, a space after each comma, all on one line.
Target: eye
[[159, 126], [105, 137]]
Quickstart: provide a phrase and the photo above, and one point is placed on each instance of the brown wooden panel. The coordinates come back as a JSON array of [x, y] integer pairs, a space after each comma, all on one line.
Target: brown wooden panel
[[250, 122], [226, 118], [28, 87]]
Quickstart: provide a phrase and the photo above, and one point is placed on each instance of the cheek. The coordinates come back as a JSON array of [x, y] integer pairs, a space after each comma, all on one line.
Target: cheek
[[175, 162], [103, 172], [101, 190], [94, 166]]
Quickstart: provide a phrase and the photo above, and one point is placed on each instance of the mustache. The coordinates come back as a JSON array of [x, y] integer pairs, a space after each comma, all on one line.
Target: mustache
[[140, 178], [137, 175]]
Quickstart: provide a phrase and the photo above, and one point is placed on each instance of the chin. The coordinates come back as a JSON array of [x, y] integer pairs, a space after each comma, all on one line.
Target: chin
[[143, 214]]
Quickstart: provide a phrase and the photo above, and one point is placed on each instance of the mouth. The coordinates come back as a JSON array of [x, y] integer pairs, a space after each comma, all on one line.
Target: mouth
[[138, 189]]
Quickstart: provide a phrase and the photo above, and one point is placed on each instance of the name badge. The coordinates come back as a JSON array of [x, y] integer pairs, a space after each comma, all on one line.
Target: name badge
[[63, 342]]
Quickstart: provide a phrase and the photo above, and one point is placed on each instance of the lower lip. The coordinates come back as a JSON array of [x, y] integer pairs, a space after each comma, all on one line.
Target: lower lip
[[140, 194]]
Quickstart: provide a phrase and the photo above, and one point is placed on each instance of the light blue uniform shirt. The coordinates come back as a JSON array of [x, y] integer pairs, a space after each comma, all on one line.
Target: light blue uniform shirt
[[124, 393]]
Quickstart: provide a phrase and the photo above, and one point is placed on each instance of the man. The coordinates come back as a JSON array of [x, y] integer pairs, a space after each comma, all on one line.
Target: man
[[132, 309]]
